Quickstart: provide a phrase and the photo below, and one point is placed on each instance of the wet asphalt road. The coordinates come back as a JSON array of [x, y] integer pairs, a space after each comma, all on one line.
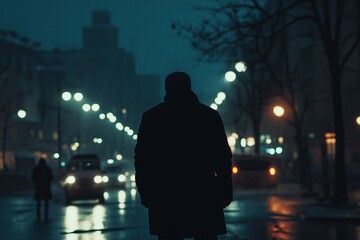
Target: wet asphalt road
[[254, 215]]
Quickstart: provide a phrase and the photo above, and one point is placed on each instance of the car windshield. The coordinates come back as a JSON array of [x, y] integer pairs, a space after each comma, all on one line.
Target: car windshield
[[114, 169], [253, 165], [84, 165]]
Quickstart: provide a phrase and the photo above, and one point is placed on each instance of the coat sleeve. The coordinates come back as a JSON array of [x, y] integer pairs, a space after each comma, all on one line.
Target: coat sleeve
[[223, 164], [142, 157]]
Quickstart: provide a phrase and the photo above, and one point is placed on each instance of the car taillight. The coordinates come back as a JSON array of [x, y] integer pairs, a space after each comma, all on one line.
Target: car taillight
[[272, 171], [235, 170]]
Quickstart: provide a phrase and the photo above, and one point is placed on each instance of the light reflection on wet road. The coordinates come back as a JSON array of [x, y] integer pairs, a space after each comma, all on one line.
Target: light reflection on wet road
[[255, 214]]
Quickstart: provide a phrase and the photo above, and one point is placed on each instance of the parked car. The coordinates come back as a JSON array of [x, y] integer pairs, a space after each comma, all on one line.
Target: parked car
[[84, 179], [254, 171]]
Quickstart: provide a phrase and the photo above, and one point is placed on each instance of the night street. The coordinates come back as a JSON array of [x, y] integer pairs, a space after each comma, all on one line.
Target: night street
[[165, 120], [255, 214]]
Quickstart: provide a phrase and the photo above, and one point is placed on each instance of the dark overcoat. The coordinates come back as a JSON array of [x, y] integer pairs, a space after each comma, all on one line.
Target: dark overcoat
[[42, 177], [183, 167]]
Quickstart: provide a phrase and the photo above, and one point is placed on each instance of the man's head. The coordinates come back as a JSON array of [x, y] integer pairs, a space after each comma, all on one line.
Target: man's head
[[42, 161], [177, 83]]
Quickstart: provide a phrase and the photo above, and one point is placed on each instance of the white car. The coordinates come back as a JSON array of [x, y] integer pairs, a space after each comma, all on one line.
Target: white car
[[84, 179]]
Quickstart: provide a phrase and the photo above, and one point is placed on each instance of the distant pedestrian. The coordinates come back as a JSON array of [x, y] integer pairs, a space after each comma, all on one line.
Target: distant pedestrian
[[42, 177], [183, 165]]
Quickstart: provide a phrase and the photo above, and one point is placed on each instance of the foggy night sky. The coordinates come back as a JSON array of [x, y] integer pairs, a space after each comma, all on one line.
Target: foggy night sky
[[144, 30]]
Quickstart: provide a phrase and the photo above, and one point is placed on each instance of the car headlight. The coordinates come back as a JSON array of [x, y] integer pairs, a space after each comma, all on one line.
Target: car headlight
[[70, 179], [105, 179], [121, 178], [98, 179]]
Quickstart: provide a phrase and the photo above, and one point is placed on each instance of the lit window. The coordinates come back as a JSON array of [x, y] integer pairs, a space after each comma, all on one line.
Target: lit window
[[40, 135]]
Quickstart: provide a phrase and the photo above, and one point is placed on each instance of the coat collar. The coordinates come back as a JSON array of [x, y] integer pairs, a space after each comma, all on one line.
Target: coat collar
[[182, 99]]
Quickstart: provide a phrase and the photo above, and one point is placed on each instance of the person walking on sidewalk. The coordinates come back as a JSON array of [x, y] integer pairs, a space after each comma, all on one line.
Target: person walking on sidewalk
[[183, 165], [42, 176]]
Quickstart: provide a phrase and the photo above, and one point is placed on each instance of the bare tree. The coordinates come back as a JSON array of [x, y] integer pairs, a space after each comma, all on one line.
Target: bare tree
[[6, 105], [339, 40], [218, 40]]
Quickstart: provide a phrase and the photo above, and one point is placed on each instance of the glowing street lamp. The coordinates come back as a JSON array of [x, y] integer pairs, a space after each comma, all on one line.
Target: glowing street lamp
[[95, 107], [86, 107], [240, 67], [278, 111], [78, 96], [66, 96], [221, 95], [21, 113], [358, 120], [102, 116], [230, 76], [214, 106]]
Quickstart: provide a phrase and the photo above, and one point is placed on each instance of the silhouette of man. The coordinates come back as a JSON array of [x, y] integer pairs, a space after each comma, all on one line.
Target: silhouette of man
[[183, 165], [42, 177]]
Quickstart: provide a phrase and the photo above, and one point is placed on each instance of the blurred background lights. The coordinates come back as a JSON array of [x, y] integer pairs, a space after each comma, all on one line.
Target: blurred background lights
[[278, 111], [230, 76], [240, 67], [221, 95], [95, 107], [278, 150], [102, 116], [86, 107], [66, 96], [78, 96], [21, 113], [214, 106], [358, 120], [119, 126]]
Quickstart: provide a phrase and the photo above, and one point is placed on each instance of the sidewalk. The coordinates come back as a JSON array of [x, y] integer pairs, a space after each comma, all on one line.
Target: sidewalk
[[326, 211], [12, 182]]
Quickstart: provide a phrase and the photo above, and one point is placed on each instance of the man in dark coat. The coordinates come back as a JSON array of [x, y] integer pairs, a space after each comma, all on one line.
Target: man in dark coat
[[183, 165], [42, 177]]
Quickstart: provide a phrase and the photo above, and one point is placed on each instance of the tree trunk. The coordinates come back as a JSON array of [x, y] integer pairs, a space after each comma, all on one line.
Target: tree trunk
[[308, 168], [301, 157], [256, 129], [340, 186], [3, 149]]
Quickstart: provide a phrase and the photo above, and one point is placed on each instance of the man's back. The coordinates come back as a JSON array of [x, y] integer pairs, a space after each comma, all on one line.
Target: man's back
[[182, 145]]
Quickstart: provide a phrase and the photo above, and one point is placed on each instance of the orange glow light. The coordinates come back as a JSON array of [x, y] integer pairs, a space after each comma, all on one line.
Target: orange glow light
[[235, 170], [272, 171]]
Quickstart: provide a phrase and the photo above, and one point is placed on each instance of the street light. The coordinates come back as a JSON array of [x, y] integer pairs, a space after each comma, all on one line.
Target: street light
[[278, 111], [95, 107], [66, 96], [230, 76], [78, 96], [86, 107], [240, 66], [358, 120], [214, 106], [102, 116], [221, 95], [21, 113]]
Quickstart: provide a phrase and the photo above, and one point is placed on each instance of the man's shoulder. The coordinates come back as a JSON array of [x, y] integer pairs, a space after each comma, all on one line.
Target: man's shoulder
[[208, 110], [153, 110], [161, 108]]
